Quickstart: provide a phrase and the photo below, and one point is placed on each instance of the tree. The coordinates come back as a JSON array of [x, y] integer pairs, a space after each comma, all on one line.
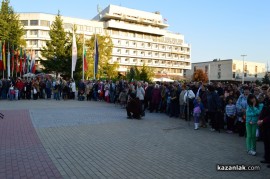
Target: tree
[[106, 69], [131, 74], [57, 53], [146, 73], [266, 79], [199, 75], [11, 29]]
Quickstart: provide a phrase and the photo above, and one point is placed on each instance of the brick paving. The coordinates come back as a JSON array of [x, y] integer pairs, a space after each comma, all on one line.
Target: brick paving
[[22, 154], [95, 140]]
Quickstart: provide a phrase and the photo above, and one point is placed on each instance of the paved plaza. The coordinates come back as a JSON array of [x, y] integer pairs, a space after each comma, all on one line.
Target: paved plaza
[[74, 139]]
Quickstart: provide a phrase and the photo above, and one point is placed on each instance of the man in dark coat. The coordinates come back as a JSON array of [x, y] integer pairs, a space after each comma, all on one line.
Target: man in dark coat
[[264, 121], [214, 107], [133, 107]]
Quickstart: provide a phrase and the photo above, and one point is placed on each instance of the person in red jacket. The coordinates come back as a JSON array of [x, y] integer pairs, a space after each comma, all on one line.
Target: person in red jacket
[[19, 85], [264, 121]]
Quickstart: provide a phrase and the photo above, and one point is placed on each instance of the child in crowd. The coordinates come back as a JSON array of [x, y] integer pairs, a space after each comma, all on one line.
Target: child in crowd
[[16, 94], [230, 111], [107, 94], [168, 110], [123, 98], [254, 108], [11, 92], [197, 110]]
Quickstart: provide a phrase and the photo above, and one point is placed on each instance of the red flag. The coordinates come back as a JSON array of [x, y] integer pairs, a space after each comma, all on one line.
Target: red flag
[[17, 61], [1, 61], [12, 59], [85, 61], [34, 68], [4, 56]]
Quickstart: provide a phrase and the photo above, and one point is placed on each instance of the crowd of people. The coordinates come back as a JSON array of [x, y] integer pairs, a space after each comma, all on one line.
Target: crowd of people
[[242, 109]]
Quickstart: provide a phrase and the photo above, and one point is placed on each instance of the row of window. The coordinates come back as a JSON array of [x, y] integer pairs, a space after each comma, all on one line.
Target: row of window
[[245, 68], [160, 70], [137, 17], [150, 45], [43, 33], [150, 53], [46, 23], [150, 61], [147, 36], [35, 23]]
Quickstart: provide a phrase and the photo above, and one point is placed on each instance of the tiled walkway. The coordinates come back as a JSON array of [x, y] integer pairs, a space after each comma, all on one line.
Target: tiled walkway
[[22, 154]]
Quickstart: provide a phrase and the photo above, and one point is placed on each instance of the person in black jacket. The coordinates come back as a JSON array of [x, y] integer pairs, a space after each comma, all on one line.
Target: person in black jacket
[[148, 96], [213, 108], [133, 107], [264, 121]]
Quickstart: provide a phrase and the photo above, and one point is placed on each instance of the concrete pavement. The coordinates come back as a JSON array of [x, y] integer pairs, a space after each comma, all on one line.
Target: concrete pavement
[[95, 140]]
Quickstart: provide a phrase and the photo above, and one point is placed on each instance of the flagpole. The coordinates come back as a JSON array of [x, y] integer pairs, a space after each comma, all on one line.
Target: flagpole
[[72, 55], [8, 63], [94, 57], [83, 56]]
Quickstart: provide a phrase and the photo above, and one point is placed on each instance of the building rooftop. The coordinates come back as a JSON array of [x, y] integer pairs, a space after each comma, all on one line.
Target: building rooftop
[[219, 60], [131, 15]]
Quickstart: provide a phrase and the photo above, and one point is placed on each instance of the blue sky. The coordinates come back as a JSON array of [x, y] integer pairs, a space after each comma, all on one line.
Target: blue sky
[[215, 28]]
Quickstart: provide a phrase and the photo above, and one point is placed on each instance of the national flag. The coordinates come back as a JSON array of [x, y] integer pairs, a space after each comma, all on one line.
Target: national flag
[[4, 56], [17, 61], [12, 59], [21, 58], [33, 61], [28, 62], [85, 61], [8, 62], [74, 52], [96, 56], [24, 62], [1, 61]]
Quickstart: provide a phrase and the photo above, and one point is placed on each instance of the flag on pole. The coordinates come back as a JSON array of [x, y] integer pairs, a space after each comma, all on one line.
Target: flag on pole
[[96, 56], [1, 61], [4, 56], [12, 59], [17, 61], [85, 61], [8, 63], [24, 62], [21, 62], [28, 62], [74, 52], [33, 61]]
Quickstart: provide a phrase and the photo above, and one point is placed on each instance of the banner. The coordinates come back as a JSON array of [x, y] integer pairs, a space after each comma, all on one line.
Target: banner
[[74, 52]]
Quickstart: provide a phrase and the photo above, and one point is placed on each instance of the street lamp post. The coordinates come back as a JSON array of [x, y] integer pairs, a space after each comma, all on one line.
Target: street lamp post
[[243, 77]]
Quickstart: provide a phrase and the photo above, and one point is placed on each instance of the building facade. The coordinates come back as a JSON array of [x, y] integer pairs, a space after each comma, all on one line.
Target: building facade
[[229, 70], [138, 38]]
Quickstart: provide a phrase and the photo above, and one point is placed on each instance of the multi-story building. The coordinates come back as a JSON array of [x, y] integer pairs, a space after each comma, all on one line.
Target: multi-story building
[[229, 70], [138, 38]]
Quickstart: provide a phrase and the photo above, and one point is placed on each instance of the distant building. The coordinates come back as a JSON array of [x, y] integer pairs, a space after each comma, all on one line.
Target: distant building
[[138, 37], [229, 70]]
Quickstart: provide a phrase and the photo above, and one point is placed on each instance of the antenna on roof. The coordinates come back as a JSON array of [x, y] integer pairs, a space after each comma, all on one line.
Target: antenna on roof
[[99, 9]]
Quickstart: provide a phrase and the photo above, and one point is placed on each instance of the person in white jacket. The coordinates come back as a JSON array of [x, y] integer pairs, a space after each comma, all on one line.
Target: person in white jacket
[[188, 100], [73, 88], [140, 93]]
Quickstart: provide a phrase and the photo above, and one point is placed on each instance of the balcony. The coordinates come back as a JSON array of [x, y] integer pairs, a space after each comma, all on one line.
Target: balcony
[[134, 27]]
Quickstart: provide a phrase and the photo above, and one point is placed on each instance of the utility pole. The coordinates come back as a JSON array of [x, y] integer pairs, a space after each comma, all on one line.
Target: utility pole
[[243, 74]]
